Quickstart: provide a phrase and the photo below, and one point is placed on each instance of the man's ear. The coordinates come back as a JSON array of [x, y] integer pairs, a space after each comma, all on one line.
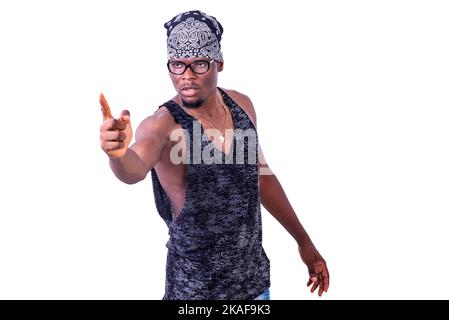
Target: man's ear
[[220, 66]]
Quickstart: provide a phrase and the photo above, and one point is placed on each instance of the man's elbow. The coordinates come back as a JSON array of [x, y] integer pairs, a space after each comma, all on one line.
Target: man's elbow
[[131, 179]]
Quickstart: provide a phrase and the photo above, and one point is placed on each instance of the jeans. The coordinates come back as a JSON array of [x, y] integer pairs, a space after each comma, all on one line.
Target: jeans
[[264, 296]]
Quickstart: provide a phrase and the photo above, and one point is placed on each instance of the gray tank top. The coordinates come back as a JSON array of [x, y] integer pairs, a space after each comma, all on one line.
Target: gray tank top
[[215, 245]]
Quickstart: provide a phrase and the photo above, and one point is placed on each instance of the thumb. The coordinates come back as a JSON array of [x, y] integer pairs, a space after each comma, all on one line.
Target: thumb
[[312, 279], [125, 116]]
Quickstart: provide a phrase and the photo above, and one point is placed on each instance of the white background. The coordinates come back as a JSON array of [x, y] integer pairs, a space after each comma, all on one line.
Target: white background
[[353, 109]]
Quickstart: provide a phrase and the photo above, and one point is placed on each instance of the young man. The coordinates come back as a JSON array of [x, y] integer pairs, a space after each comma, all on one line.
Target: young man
[[209, 175]]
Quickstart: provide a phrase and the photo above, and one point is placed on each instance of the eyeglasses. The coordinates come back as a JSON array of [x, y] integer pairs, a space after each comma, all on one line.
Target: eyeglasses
[[198, 67]]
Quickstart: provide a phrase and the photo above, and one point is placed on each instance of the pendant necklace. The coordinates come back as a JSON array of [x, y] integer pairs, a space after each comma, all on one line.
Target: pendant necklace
[[221, 137]]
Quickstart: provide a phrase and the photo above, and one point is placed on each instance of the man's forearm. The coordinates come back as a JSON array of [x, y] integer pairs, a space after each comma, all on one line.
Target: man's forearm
[[130, 169], [274, 199]]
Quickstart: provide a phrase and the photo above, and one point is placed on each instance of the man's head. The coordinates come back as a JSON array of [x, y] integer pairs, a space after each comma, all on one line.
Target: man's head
[[194, 55]]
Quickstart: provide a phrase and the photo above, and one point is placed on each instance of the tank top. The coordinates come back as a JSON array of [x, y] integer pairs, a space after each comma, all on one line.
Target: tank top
[[215, 243]]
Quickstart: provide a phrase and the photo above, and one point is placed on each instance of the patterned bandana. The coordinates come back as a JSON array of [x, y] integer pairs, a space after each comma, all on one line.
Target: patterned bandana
[[194, 34]]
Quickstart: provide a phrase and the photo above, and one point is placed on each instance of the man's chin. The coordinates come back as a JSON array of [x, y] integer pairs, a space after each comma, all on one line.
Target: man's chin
[[194, 104]]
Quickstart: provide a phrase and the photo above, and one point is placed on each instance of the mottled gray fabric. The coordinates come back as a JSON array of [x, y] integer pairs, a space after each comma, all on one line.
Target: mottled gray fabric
[[215, 245]]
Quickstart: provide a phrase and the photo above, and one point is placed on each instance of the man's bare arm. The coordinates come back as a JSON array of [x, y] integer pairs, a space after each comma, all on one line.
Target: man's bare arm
[[141, 156], [132, 164], [274, 199]]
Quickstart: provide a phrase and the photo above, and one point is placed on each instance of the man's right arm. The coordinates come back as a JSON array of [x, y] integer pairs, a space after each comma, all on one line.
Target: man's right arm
[[141, 157]]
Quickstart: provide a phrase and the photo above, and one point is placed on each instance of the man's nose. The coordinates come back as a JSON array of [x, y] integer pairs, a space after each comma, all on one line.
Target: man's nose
[[188, 74]]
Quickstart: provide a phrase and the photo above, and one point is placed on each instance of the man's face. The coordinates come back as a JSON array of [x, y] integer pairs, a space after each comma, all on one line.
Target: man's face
[[193, 89]]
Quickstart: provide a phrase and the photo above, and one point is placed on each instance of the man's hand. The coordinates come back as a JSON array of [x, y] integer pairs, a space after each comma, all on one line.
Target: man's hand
[[318, 273], [115, 134]]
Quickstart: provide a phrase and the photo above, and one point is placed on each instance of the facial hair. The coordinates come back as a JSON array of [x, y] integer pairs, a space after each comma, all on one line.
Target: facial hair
[[192, 105]]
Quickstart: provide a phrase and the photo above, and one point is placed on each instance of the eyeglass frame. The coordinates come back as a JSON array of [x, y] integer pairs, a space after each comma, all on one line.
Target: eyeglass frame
[[190, 66]]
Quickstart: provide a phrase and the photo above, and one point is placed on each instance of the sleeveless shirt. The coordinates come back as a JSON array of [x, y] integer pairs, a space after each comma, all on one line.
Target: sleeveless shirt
[[215, 243]]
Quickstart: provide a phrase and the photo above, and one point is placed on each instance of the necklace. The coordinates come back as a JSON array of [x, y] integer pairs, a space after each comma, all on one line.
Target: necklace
[[221, 137]]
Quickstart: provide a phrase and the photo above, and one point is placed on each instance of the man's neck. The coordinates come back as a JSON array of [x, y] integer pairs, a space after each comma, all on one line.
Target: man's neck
[[209, 109]]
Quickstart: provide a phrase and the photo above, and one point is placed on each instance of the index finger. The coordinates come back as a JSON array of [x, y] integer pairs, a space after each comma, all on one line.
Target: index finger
[[105, 108]]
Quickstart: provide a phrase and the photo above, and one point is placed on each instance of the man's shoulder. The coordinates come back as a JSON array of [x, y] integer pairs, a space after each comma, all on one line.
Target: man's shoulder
[[160, 122], [238, 96], [243, 101]]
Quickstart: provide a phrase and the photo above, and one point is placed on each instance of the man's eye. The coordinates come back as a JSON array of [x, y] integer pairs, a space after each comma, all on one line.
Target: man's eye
[[201, 64], [176, 65]]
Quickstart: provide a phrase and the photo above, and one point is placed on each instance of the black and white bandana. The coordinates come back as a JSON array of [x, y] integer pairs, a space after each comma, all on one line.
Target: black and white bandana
[[194, 34]]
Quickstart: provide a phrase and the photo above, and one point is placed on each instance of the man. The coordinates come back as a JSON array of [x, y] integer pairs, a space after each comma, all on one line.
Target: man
[[209, 175]]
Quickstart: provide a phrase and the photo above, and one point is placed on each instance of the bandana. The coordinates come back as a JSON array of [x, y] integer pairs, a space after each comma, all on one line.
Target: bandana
[[194, 34]]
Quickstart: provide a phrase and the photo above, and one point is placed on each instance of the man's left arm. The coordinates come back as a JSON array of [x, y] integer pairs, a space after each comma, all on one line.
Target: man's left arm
[[275, 201]]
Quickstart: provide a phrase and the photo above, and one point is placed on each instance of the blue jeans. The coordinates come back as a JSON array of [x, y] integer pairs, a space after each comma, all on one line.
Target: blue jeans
[[264, 296]]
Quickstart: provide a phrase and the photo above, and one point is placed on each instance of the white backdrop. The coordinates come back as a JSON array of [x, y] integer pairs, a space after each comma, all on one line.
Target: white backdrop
[[353, 110]]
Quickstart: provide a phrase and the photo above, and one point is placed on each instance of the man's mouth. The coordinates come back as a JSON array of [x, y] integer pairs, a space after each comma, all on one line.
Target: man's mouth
[[189, 90]]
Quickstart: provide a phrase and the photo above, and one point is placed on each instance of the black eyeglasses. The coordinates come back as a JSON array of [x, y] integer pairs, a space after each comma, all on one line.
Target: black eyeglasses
[[198, 67]]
